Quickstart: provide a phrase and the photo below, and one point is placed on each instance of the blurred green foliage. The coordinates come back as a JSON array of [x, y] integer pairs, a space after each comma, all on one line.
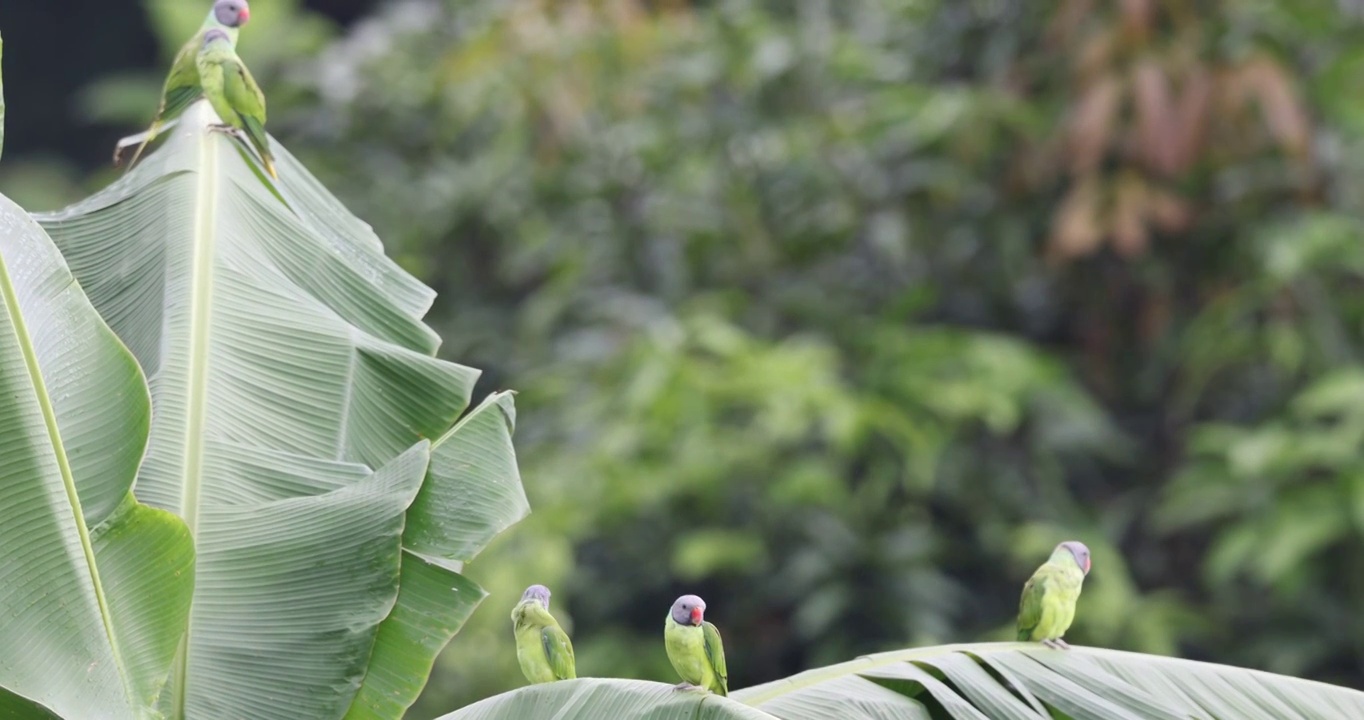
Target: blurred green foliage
[[841, 315]]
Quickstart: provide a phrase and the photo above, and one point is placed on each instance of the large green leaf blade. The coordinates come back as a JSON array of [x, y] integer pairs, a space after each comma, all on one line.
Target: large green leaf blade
[[472, 492], [269, 576], [1224, 691], [1011, 681], [1082, 683], [15, 707], [851, 697], [995, 700], [147, 566], [1069, 694], [287, 356], [255, 325], [958, 706], [475, 490], [434, 601], [596, 698], [97, 587]]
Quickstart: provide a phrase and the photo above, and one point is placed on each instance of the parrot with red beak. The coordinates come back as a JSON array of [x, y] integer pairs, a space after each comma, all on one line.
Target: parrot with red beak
[[182, 86], [694, 646], [1048, 604]]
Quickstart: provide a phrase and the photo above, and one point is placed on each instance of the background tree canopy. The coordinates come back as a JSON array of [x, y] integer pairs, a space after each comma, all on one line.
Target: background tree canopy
[[840, 315]]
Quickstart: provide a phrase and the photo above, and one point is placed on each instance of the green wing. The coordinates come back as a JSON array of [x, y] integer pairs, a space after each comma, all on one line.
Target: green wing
[[559, 650], [715, 654], [242, 90], [245, 97], [182, 84], [179, 92], [1030, 604]]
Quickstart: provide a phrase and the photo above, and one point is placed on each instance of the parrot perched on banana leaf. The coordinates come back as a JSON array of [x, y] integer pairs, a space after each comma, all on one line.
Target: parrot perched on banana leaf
[[542, 647], [182, 85], [694, 646], [1048, 604], [233, 93]]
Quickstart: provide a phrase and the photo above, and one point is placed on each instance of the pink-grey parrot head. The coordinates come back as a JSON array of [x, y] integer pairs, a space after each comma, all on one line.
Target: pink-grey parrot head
[[1078, 550], [232, 13], [689, 610], [539, 593]]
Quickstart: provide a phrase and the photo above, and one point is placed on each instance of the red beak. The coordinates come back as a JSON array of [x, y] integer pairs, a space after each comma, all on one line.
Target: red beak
[[696, 616], [246, 15], [1086, 566]]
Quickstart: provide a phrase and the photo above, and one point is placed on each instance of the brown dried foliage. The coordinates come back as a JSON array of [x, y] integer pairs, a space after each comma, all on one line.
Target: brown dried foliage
[[1149, 107]]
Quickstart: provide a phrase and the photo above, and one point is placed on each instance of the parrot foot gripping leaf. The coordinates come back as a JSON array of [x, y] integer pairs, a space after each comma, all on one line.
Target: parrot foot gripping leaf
[[240, 136], [1057, 644], [688, 687], [228, 130]]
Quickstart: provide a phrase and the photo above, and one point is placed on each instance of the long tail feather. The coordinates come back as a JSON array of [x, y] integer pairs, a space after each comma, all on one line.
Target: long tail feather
[[146, 138], [255, 132]]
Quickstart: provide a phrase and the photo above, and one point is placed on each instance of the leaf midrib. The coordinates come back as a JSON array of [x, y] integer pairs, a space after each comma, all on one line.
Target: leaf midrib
[[205, 214]]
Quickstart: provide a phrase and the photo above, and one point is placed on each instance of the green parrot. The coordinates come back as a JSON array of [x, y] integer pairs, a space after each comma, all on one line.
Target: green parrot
[[232, 91], [1048, 604], [694, 646], [542, 647], [182, 86]]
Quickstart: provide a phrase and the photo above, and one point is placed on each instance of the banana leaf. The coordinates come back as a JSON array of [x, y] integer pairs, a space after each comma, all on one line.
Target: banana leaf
[[992, 681], [297, 408]]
